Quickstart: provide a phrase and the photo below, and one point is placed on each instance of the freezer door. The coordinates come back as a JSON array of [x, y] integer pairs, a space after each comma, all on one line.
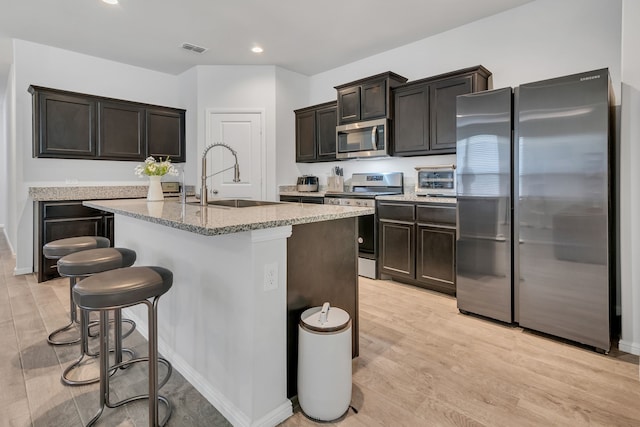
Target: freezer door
[[563, 207], [483, 173]]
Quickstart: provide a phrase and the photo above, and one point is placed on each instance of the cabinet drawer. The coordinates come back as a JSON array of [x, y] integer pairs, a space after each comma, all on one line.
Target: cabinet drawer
[[430, 214], [396, 211], [68, 210]]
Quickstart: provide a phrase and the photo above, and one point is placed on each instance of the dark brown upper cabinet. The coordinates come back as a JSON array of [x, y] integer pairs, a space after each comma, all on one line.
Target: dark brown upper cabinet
[[164, 128], [425, 111], [121, 131], [368, 98], [79, 126], [63, 125], [316, 132]]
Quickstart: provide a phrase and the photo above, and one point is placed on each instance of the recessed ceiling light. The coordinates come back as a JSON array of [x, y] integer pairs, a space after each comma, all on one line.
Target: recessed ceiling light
[[257, 49], [110, 1]]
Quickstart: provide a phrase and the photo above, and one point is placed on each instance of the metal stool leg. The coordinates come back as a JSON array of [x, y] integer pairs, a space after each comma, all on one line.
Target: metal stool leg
[[73, 316], [84, 348], [152, 359]]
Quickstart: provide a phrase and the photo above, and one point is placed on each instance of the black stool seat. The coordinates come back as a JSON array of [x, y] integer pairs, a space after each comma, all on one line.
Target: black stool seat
[[59, 248], [122, 287], [94, 261]]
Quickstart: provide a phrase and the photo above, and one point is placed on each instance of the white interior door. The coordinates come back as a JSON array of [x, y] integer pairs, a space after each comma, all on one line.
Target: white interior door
[[243, 132]]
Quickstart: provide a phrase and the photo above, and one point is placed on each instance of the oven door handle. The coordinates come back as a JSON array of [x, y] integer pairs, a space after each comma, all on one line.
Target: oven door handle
[[374, 137]]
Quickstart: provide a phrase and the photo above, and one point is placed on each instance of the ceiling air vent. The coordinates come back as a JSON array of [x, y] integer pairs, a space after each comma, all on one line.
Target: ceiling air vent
[[194, 48]]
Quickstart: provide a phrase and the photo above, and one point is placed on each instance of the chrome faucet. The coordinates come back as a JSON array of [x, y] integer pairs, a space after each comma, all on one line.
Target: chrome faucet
[[203, 184]]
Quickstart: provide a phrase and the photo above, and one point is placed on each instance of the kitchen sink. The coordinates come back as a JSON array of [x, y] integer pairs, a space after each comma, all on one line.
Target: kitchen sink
[[237, 203]]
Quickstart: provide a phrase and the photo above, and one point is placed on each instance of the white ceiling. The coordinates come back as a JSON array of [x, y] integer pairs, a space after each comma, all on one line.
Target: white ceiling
[[300, 35]]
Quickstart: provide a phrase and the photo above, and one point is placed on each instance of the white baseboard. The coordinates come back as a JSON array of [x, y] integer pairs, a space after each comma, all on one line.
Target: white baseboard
[[235, 416], [21, 271], [629, 347], [6, 238]]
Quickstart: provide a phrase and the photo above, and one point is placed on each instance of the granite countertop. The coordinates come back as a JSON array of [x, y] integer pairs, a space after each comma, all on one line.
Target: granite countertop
[[216, 220], [412, 197], [78, 192]]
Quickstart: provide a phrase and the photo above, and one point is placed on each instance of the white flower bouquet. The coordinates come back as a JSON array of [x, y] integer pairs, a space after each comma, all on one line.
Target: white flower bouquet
[[151, 167]]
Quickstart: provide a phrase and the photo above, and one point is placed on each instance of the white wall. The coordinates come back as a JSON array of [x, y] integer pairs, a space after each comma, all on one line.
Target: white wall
[[629, 178], [542, 39], [4, 177], [56, 68], [292, 92], [239, 88]]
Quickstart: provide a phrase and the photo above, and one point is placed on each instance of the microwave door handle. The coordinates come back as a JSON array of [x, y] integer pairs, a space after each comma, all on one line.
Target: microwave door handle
[[374, 138]]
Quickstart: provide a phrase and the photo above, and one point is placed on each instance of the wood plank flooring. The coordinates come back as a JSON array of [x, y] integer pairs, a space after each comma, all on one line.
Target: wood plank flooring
[[421, 363]]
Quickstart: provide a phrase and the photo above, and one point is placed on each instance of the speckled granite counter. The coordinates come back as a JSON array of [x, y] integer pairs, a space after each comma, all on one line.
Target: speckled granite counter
[[411, 197], [216, 220], [87, 192]]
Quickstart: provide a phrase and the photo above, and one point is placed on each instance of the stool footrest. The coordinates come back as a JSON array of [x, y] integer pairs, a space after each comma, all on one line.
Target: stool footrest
[[133, 399], [79, 360], [51, 340]]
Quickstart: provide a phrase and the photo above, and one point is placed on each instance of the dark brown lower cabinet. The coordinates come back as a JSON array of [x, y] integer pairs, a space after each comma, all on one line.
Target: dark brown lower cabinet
[[63, 219], [417, 243], [435, 263], [397, 249]]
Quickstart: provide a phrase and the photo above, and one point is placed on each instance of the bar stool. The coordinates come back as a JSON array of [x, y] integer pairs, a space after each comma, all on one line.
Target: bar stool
[[80, 265], [56, 250], [117, 289]]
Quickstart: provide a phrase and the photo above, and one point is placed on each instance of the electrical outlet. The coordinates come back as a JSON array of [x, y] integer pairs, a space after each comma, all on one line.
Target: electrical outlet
[[270, 276]]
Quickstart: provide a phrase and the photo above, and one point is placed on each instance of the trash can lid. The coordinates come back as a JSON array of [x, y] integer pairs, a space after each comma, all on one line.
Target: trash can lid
[[325, 318]]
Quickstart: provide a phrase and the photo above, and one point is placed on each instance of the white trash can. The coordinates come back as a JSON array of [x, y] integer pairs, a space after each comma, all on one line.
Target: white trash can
[[324, 362]]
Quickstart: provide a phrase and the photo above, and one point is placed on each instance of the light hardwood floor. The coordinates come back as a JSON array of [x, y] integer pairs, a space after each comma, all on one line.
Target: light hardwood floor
[[421, 364]]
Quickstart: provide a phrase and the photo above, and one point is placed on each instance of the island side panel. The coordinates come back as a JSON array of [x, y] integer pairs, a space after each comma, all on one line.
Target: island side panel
[[322, 265]]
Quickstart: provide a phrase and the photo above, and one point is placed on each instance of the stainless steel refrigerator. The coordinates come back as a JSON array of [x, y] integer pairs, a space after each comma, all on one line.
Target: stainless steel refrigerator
[[533, 167]]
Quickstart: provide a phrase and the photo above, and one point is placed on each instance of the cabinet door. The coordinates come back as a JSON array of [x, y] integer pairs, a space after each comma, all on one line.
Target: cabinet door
[[435, 263], [443, 111], [64, 126], [411, 121], [326, 121], [349, 104], [165, 134], [374, 100], [306, 136], [121, 131], [397, 249]]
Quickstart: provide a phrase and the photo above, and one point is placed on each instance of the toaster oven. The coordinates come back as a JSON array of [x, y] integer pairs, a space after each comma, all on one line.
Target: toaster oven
[[436, 181]]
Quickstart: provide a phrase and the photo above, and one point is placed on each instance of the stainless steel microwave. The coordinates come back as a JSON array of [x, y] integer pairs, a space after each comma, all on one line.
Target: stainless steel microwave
[[363, 139], [436, 181]]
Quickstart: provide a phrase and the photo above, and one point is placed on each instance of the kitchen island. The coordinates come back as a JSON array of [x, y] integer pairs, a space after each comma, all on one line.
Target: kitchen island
[[224, 323]]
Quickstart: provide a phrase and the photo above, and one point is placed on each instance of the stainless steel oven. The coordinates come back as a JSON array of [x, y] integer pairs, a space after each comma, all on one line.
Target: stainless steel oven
[[363, 190]]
